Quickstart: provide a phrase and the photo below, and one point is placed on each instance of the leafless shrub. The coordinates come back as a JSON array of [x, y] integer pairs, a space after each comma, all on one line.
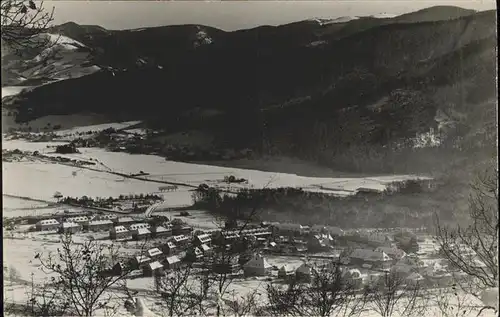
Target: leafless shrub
[[328, 294], [473, 249], [395, 295], [22, 21], [81, 275]]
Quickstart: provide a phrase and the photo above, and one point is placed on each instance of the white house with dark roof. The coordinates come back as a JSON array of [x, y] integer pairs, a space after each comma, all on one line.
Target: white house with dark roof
[[141, 233], [140, 261], [304, 272], [47, 225], [155, 253], [98, 225], [203, 239], [137, 226], [368, 256], [172, 262], [152, 268], [180, 240], [80, 220], [119, 233], [124, 221], [70, 227], [161, 231], [169, 248], [206, 249], [286, 272], [257, 266]]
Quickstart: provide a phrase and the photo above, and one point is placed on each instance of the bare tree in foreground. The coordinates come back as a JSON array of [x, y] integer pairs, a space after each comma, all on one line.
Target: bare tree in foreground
[[393, 294], [21, 21], [82, 275], [328, 294], [473, 250]]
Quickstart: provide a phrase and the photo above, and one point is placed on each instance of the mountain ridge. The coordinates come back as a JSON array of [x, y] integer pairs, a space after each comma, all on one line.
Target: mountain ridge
[[275, 92]]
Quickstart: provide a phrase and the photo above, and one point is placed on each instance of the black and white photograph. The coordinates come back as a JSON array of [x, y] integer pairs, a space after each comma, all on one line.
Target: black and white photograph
[[250, 158]]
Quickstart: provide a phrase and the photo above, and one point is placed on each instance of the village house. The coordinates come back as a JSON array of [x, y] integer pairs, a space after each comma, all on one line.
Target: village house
[[169, 248], [47, 225], [304, 273], [82, 220], [230, 267], [286, 272], [207, 251], [153, 269], [124, 221], [160, 231], [141, 234], [257, 266], [172, 262], [182, 230], [70, 227], [119, 233], [180, 240], [136, 226], [98, 225], [394, 252], [202, 239], [140, 261], [194, 254], [367, 256], [104, 217], [319, 243], [155, 254]]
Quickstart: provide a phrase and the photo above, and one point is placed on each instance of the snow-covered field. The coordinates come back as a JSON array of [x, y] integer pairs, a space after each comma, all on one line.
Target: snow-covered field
[[12, 90], [97, 127], [45, 179], [16, 207], [41, 180]]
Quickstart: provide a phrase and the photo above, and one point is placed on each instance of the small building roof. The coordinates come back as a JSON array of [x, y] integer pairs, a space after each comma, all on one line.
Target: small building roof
[[287, 268], [159, 229], [100, 222], [204, 238], [119, 229], [70, 225], [48, 222], [137, 226], [124, 219], [258, 261], [170, 245], [142, 259], [180, 238], [205, 247], [155, 265], [154, 252], [172, 259], [143, 231]]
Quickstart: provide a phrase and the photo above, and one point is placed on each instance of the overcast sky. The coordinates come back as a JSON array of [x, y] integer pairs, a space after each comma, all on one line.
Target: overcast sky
[[232, 15]]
